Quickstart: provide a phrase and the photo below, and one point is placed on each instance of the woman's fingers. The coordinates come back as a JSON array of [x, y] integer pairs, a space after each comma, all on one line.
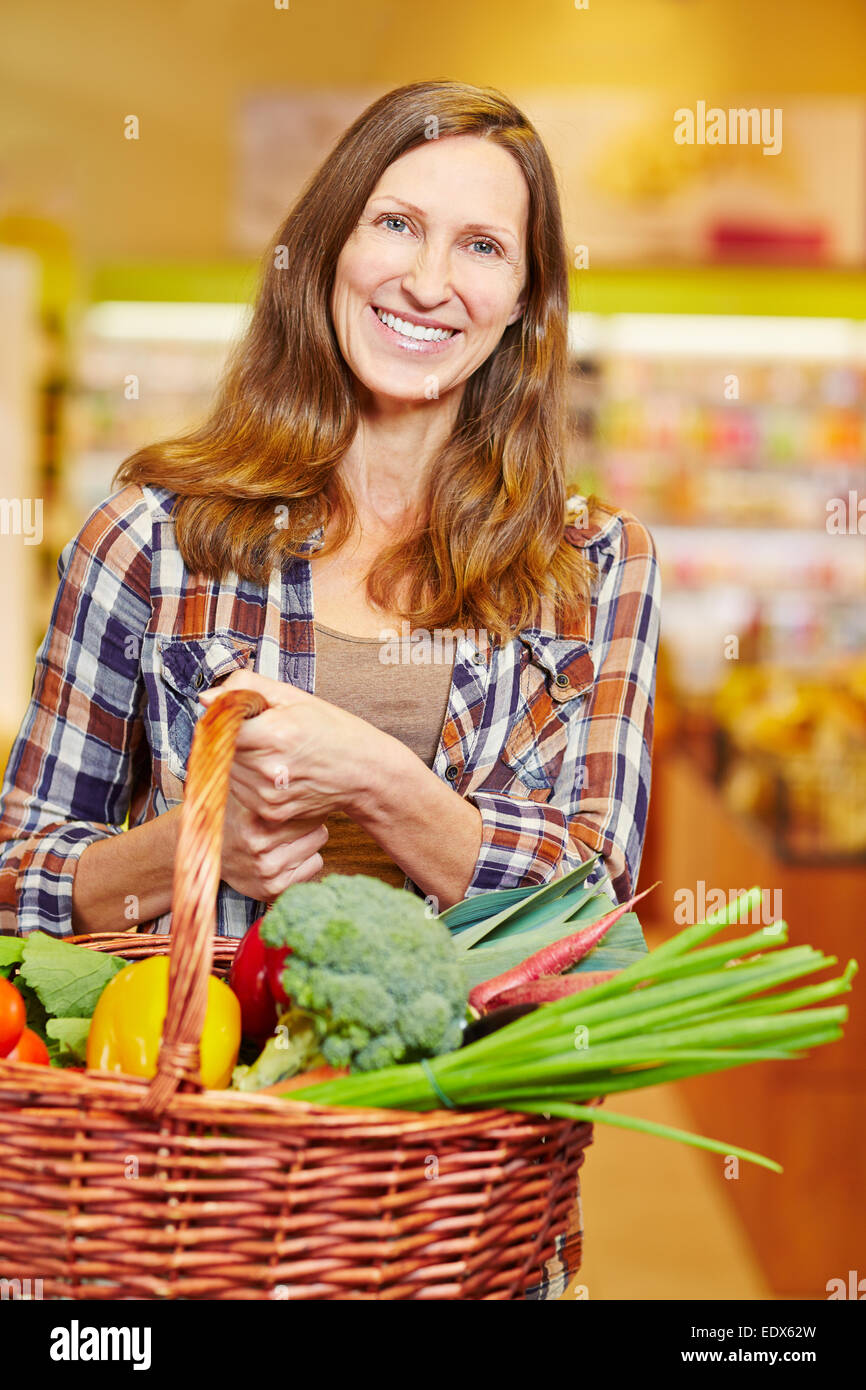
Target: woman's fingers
[[303, 873], [281, 858], [281, 810], [282, 804], [277, 693], [263, 733], [266, 839], [293, 863]]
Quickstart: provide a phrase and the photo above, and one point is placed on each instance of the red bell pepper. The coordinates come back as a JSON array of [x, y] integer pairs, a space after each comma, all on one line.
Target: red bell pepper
[[275, 961], [255, 979]]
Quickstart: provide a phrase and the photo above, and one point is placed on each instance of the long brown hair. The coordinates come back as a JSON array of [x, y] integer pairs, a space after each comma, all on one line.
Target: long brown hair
[[491, 536]]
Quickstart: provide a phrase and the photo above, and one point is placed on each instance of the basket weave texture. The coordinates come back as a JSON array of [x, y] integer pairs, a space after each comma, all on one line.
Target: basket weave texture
[[113, 1187]]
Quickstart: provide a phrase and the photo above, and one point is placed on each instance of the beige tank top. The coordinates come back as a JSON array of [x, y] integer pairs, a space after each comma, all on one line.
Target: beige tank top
[[406, 700]]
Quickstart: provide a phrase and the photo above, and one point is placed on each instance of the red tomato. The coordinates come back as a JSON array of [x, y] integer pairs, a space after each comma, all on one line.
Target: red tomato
[[30, 1048], [13, 1016]]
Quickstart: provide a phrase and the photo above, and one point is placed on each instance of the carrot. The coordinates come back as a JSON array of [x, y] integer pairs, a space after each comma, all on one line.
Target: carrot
[[548, 987], [553, 959], [307, 1078]]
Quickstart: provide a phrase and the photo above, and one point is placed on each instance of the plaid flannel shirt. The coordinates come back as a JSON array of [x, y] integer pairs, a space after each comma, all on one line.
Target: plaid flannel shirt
[[549, 735]]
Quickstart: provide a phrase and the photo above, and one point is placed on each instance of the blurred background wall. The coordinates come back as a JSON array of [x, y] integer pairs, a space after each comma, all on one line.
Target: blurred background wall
[[718, 390]]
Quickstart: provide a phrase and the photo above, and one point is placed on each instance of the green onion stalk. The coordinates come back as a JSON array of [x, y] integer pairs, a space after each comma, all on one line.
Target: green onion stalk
[[683, 1009]]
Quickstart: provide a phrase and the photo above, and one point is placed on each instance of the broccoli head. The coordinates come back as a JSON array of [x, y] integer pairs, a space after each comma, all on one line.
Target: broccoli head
[[381, 981]]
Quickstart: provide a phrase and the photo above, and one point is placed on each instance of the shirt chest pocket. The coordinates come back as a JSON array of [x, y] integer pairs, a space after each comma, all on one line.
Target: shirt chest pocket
[[186, 668], [538, 738]]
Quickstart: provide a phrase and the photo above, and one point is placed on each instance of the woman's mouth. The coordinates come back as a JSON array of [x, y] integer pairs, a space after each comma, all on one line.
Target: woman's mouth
[[415, 337]]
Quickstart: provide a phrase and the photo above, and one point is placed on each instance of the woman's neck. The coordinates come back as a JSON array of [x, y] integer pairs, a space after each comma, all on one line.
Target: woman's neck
[[386, 465]]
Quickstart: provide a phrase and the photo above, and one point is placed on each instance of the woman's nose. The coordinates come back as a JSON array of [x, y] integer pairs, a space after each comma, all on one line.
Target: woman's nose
[[428, 278]]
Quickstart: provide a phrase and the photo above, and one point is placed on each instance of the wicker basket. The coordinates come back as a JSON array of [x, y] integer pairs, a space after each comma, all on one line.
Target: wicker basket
[[119, 1188]]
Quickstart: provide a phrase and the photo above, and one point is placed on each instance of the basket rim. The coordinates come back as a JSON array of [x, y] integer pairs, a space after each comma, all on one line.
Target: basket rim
[[102, 1086]]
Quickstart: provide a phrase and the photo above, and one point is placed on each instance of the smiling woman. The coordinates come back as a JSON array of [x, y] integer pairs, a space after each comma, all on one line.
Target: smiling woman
[[387, 449]]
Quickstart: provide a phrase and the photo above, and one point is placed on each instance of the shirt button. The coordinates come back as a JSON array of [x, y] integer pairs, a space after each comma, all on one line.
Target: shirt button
[[452, 773], [198, 680], [562, 680]]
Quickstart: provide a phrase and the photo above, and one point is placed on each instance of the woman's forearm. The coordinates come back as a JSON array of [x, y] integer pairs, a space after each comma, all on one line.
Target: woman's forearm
[[127, 878], [432, 833]]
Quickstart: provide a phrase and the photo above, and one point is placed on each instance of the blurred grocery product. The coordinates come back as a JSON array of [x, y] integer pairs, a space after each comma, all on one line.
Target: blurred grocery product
[[734, 439], [793, 756]]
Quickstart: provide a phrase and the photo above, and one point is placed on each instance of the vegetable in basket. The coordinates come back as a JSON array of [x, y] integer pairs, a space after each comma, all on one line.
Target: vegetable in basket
[[60, 983], [253, 972], [372, 978], [681, 1010], [29, 1048], [491, 933], [498, 930], [13, 1017], [538, 978], [126, 1028]]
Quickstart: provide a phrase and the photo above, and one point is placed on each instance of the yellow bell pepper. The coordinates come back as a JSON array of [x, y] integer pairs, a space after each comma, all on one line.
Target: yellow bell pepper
[[126, 1027]]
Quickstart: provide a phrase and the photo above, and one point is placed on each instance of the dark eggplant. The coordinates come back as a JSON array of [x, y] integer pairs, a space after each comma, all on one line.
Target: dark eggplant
[[497, 1018]]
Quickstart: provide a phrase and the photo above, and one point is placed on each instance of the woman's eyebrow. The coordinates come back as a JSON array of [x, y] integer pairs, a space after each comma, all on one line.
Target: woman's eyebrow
[[419, 212]]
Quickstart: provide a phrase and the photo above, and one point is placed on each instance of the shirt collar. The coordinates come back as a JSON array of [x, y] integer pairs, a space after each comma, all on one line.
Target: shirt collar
[[313, 542], [560, 646]]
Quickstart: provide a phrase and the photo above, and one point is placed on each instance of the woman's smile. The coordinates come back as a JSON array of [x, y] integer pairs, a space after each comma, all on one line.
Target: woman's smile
[[410, 333]]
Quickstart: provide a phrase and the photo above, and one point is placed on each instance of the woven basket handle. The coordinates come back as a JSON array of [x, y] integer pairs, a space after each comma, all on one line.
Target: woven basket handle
[[197, 864]]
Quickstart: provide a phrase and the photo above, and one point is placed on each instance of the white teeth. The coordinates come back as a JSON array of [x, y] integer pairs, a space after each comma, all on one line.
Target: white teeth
[[415, 330]]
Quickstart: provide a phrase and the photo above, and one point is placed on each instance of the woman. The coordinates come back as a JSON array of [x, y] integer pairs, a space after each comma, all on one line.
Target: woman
[[386, 455]]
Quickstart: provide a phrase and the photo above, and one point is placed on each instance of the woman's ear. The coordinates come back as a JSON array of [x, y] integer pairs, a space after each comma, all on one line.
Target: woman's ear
[[517, 310]]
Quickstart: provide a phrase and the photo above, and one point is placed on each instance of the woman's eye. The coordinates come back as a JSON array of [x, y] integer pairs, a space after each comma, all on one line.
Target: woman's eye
[[489, 247]]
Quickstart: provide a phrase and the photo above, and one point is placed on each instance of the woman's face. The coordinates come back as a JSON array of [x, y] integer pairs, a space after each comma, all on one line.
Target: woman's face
[[441, 247]]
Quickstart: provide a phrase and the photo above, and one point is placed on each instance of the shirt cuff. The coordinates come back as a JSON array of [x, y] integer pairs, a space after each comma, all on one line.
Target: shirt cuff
[[525, 842], [46, 870]]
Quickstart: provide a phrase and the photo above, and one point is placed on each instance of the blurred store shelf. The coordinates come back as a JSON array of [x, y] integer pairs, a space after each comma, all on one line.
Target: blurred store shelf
[[740, 441]]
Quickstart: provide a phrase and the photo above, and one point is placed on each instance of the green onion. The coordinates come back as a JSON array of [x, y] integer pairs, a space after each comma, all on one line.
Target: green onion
[[698, 1141]]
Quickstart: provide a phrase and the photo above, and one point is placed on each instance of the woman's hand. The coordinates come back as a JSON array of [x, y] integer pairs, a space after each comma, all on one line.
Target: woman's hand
[[260, 859], [302, 758]]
